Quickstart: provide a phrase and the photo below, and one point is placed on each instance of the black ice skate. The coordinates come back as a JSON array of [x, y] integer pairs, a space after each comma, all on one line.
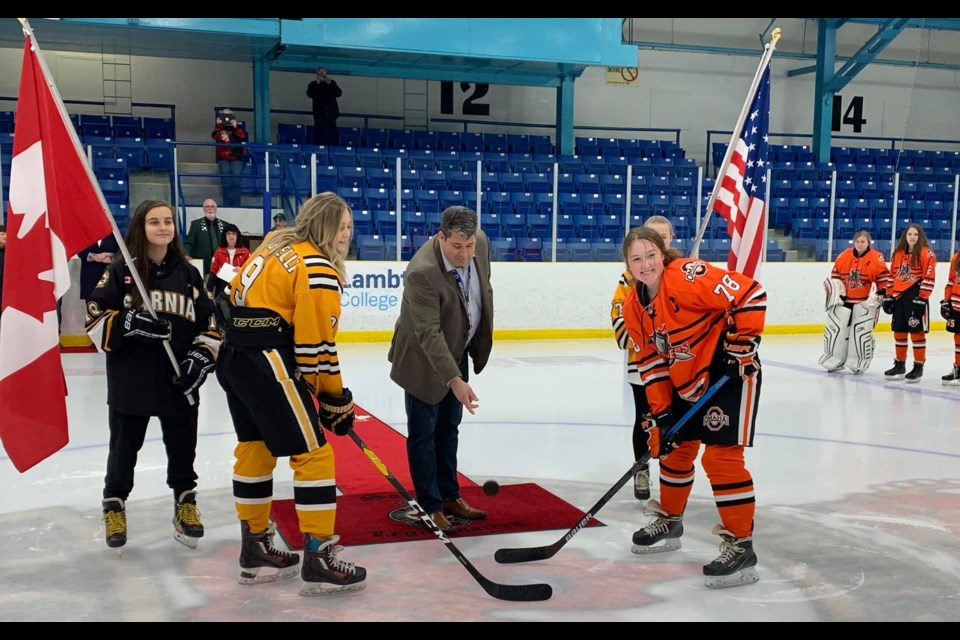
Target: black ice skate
[[115, 522], [257, 552], [915, 374], [187, 528], [896, 373], [663, 527], [641, 483], [952, 379], [736, 564], [323, 573]]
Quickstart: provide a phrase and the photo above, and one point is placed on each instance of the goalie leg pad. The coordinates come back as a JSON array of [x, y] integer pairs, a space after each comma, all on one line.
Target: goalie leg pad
[[862, 321], [835, 337]]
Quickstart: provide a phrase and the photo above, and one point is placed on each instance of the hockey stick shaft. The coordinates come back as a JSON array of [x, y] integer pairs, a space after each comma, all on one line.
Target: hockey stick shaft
[[518, 593], [506, 556]]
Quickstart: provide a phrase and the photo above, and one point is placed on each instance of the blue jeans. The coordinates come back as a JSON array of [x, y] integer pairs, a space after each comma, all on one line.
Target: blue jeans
[[230, 186], [432, 438]]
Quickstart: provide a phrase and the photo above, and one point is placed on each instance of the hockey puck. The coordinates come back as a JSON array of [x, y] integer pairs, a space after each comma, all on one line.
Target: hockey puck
[[491, 487]]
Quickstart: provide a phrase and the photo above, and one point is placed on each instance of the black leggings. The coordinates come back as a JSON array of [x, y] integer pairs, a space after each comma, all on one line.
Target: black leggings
[[640, 446], [127, 433]]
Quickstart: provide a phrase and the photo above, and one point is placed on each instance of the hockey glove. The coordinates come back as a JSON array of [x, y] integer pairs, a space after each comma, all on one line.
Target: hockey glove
[[656, 427], [140, 325], [336, 414], [741, 355], [918, 308], [888, 304], [946, 309], [193, 370]]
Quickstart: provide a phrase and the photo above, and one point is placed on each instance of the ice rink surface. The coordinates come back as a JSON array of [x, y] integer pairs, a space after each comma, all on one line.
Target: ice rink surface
[[857, 484]]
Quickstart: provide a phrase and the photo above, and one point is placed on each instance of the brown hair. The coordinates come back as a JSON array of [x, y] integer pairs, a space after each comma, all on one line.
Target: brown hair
[[921, 243], [136, 241], [646, 233]]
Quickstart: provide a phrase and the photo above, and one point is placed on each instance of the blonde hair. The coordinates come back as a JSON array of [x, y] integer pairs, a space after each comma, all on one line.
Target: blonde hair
[[318, 223], [661, 220]]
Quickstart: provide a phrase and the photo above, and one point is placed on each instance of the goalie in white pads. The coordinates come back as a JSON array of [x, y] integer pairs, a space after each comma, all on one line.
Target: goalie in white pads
[[856, 285]]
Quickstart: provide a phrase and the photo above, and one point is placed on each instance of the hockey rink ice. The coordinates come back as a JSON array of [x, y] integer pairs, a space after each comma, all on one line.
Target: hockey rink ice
[[857, 485]]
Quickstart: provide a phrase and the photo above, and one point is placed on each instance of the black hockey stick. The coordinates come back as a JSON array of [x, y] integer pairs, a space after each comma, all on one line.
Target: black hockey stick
[[518, 593], [506, 556]]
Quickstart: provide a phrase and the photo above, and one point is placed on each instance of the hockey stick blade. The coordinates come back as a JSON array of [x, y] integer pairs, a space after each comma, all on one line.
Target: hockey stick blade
[[512, 592], [530, 554]]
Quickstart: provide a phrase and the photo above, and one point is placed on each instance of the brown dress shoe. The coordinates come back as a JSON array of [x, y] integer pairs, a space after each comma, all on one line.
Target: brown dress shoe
[[442, 523], [461, 509]]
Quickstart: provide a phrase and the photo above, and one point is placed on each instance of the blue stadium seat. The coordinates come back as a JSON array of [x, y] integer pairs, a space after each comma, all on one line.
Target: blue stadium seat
[[504, 249]]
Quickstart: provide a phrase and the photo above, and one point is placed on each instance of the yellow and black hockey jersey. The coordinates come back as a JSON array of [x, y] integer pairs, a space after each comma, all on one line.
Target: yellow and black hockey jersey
[[620, 328], [299, 284]]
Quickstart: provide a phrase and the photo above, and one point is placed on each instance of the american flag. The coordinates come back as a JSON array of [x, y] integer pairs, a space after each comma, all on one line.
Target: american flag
[[743, 185]]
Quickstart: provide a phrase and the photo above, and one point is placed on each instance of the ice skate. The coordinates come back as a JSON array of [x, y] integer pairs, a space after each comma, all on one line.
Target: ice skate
[[115, 522], [915, 374], [663, 527], [323, 573], [257, 552], [952, 379], [736, 564], [641, 483], [187, 528], [896, 372]]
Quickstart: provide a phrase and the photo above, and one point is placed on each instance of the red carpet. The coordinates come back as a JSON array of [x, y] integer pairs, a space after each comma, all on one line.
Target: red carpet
[[365, 518], [364, 511]]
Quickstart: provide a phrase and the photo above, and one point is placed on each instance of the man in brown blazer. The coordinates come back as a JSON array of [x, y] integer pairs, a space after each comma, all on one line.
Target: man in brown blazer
[[446, 315]]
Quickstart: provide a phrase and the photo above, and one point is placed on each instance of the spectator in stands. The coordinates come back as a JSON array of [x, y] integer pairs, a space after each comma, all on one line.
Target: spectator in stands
[[232, 251], [93, 262], [205, 233], [324, 92], [279, 222], [230, 136]]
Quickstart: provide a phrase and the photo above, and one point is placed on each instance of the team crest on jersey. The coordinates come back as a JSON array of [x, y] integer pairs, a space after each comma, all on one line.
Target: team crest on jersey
[[715, 419], [691, 270], [671, 353], [854, 280], [904, 272]]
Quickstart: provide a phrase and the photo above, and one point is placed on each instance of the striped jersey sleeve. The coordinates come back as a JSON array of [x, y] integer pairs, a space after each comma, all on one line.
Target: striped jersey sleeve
[[315, 319]]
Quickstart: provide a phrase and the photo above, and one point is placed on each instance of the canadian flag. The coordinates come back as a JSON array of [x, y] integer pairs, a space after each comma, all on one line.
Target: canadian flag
[[55, 210]]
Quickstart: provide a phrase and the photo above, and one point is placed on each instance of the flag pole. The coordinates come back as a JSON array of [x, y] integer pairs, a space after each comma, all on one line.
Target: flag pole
[[764, 62], [48, 78]]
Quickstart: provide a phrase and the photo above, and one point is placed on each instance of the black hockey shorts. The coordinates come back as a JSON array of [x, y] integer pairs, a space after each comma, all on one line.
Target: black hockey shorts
[[729, 417], [268, 400], [909, 316]]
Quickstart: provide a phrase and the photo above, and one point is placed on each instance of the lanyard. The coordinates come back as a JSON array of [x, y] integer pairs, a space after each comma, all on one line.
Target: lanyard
[[464, 289]]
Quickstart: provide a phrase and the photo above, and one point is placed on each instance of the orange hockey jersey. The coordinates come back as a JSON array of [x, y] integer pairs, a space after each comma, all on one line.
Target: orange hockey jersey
[[905, 276], [859, 272], [679, 330]]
